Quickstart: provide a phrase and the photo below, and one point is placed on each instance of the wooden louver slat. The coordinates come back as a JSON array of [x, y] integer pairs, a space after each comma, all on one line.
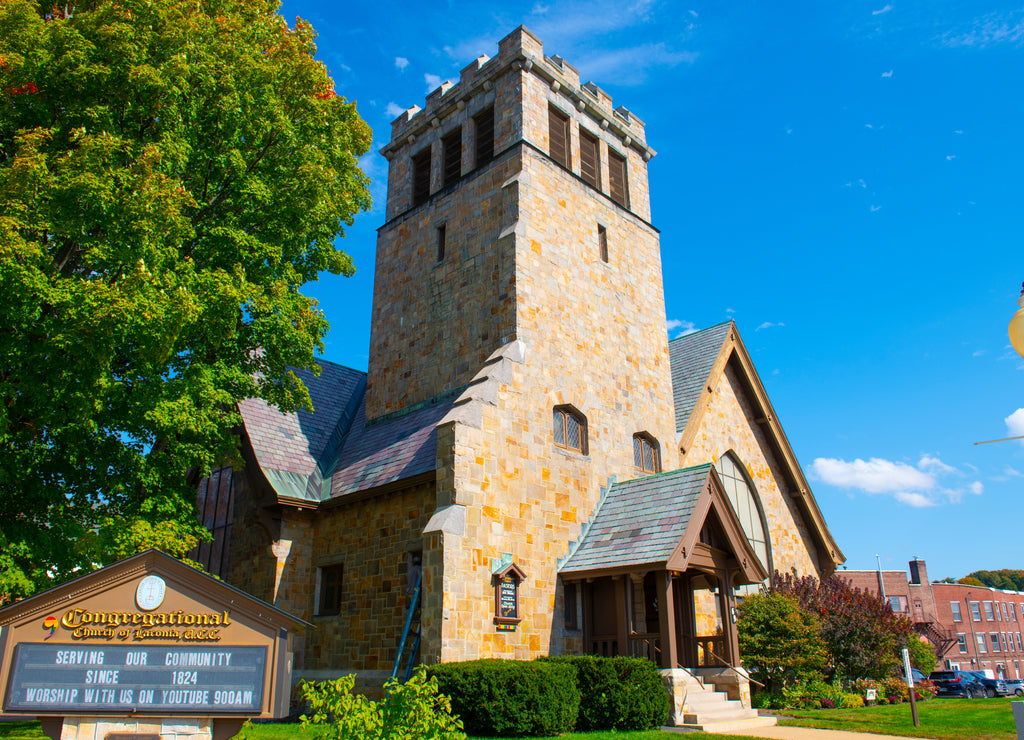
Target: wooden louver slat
[[452, 145], [484, 136], [590, 169], [558, 134], [617, 182], [421, 177]]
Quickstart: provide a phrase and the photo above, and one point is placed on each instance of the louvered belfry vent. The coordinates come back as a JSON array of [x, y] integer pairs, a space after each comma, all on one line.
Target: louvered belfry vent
[[452, 146], [617, 182], [421, 177], [590, 167], [558, 133]]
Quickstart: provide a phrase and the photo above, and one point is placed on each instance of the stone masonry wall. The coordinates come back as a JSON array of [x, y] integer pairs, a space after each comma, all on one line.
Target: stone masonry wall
[[594, 337], [728, 423], [371, 539], [435, 321]]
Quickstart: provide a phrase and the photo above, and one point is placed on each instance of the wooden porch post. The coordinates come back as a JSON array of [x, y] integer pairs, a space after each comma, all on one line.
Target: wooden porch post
[[667, 620], [732, 642], [588, 617], [622, 615], [687, 623]]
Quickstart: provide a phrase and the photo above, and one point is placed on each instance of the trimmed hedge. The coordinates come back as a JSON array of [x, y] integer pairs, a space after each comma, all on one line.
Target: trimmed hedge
[[617, 693], [507, 698]]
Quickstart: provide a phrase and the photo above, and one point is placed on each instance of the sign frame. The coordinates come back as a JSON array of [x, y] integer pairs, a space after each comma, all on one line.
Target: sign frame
[[506, 596]]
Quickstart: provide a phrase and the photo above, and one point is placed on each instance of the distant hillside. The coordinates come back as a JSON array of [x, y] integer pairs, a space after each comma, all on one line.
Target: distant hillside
[[1009, 579]]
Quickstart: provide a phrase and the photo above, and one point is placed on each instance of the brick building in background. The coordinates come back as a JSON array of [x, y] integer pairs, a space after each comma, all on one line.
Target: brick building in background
[[525, 432], [971, 627]]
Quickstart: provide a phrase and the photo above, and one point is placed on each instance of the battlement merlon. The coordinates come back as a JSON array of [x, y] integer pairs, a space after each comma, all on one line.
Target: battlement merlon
[[524, 51]]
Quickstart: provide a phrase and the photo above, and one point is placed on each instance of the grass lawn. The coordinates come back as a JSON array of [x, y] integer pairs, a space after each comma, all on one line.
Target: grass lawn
[[284, 731], [969, 719]]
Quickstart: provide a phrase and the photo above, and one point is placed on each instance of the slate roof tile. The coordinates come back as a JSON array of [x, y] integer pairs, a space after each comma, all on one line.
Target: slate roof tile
[[640, 521], [691, 358]]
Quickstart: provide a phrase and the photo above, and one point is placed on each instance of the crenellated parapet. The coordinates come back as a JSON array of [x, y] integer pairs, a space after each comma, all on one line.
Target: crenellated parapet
[[520, 50]]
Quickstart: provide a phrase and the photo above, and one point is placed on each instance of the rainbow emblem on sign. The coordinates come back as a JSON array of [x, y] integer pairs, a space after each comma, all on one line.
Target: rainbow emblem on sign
[[50, 623]]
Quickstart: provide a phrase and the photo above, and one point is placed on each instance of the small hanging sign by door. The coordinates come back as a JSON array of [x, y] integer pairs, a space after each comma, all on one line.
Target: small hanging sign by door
[[506, 597]]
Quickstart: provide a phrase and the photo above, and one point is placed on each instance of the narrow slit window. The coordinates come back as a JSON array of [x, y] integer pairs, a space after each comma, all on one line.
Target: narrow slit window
[[484, 123], [602, 242], [331, 577], [442, 233], [558, 135], [421, 177], [590, 162], [452, 146], [618, 184]]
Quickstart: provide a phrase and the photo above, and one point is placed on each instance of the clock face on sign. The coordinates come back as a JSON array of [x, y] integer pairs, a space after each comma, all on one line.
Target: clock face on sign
[[150, 593]]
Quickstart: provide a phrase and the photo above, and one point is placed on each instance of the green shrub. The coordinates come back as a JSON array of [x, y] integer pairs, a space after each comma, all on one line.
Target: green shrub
[[617, 693], [852, 701], [414, 709], [511, 698]]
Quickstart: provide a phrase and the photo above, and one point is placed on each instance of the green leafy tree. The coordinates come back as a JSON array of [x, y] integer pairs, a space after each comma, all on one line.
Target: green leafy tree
[[171, 173], [1007, 578], [863, 636], [780, 643], [922, 655]]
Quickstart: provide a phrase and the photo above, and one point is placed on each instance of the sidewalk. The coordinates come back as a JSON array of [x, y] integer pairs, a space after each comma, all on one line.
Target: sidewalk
[[807, 733]]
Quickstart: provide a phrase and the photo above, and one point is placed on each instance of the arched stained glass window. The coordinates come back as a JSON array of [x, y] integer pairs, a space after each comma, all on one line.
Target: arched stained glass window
[[745, 501]]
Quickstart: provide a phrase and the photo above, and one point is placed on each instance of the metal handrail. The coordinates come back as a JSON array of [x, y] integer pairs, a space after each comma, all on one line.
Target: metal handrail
[[733, 668]]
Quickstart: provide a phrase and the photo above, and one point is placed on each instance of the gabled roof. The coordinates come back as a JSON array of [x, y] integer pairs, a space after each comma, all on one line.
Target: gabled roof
[[392, 448], [289, 447], [310, 457], [699, 361], [692, 357], [655, 523]]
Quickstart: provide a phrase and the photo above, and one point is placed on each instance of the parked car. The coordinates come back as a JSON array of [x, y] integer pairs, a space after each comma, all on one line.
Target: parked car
[[956, 683], [993, 686], [1015, 686], [918, 675]]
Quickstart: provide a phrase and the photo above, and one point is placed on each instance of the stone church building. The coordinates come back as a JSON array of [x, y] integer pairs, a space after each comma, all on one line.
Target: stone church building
[[527, 441]]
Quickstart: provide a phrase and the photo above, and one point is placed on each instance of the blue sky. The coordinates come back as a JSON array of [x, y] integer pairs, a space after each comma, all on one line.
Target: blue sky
[[843, 180]]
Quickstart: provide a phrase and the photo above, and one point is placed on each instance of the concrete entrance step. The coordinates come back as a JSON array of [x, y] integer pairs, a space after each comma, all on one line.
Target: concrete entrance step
[[729, 725], [720, 714]]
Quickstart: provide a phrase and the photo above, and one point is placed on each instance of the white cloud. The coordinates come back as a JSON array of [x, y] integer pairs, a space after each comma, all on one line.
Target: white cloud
[[917, 500], [958, 131], [886, 9], [687, 327], [887, 74], [1011, 472], [927, 462], [874, 476], [875, 208], [978, 353], [768, 325], [1015, 424], [539, 9], [988, 30], [630, 65], [401, 63], [950, 156], [433, 82], [730, 311], [394, 110], [916, 486]]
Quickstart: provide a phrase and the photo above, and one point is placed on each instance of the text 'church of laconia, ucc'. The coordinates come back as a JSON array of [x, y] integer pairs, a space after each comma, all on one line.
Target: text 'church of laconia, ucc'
[[526, 440]]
